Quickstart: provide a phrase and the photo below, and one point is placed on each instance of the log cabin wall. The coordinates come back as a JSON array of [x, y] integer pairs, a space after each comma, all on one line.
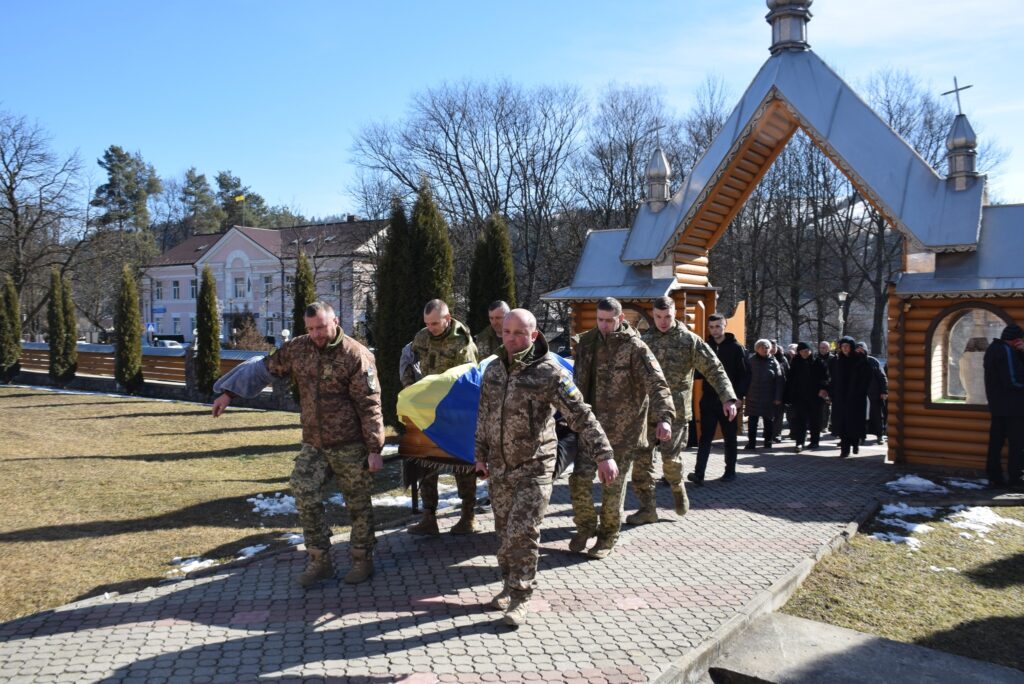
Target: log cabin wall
[[921, 431]]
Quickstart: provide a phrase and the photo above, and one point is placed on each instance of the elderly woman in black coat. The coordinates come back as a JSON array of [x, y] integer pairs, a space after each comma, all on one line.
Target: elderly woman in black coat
[[849, 391], [806, 389], [767, 383]]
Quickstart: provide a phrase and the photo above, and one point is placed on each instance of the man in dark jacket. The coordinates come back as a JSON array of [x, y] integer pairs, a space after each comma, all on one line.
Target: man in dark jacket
[[806, 389], [826, 357], [848, 387], [734, 358], [878, 394], [1004, 388], [780, 409]]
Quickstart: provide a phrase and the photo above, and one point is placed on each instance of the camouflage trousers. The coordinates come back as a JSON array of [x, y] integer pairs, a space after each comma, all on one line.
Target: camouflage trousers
[[313, 468], [466, 483], [519, 499], [671, 459], [613, 495]]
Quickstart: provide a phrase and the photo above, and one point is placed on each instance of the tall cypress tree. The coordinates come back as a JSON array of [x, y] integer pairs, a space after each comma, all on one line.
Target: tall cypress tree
[[492, 275], [304, 295], [55, 328], [10, 331], [70, 351], [434, 269], [398, 311], [208, 333], [128, 328]]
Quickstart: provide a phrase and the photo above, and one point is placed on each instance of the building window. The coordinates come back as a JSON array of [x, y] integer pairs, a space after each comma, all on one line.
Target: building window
[[290, 284], [270, 326], [268, 284], [175, 290], [191, 325], [176, 326], [158, 289], [956, 350], [239, 288], [193, 288]]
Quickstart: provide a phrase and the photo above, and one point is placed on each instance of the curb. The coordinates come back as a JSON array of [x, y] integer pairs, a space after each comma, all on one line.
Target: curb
[[695, 664]]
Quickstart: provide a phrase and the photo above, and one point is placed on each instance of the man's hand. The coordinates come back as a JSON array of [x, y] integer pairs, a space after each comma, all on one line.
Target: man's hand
[[729, 409], [481, 470], [823, 394], [375, 462], [664, 431], [220, 404], [884, 395], [607, 471]]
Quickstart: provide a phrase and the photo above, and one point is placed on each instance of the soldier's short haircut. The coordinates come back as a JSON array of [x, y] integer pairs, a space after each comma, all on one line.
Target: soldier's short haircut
[[318, 307], [663, 303], [498, 304], [526, 316], [435, 305], [716, 317], [767, 344], [610, 304]]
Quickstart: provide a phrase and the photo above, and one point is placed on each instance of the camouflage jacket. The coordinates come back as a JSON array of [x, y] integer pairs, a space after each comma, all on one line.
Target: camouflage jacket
[[487, 342], [339, 395], [452, 348], [680, 352], [620, 378], [516, 424]]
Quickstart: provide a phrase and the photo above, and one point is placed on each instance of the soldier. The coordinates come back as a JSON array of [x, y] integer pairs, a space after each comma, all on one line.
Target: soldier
[[619, 378], [342, 432], [516, 449], [489, 339], [444, 343]]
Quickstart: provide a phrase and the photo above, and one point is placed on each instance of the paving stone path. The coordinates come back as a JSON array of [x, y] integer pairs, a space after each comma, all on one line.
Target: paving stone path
[[420, 620]]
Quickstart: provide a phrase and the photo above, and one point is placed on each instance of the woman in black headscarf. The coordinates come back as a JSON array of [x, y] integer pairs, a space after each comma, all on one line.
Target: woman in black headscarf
[[849, 391]]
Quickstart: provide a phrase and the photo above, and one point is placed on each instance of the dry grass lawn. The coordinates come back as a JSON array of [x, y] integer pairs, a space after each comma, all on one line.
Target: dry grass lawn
[[100, 493], [976, 610]]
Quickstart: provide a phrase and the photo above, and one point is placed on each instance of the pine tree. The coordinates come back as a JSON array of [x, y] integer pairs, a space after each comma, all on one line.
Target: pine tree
[[55, 328], [208, 333], [241, 206], [398, 313], [492, 275], [304, 294], [123, 198], [128, 328], [432, 252], [70, 351], [202, 213], [10, 331]]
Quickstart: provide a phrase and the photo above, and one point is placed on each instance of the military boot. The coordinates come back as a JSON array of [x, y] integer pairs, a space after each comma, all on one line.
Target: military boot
[[465, 524], [426, 526], [647, 513], [362, 566], [318, 567], [601, 549], [501, 601], [578, 542], [516, 612], [680, 500]]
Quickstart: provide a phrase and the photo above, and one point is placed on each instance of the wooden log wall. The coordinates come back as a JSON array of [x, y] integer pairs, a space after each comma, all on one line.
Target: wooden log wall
[[920, 432]]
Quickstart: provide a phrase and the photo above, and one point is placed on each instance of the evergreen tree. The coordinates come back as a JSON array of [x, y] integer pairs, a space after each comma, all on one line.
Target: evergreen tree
[[492, 275], [241, 206], [128, 328], [303, 292], [398, 313], [10, 331], [208, 333], [70, 351], [123, 198], [55, 328], [433, 266], [202, 213]]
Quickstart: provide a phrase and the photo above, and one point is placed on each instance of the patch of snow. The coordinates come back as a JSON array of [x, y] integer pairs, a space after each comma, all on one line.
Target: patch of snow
[[910, 527], [913, 483], [279, 504], [967, 535], [396, 501], [190, 564], [902, 509], [249, 551], [295, 539], [966, 484], [912, 544], [979, 519], [948, 568]]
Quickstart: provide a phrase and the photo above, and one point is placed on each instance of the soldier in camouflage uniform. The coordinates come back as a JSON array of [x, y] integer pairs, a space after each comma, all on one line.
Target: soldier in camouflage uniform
[[516, 447], [619, 378], [679, 352], [444, 343], [342, 432], [489, 339]]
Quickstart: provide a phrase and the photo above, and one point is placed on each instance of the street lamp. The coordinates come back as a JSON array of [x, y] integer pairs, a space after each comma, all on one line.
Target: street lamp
[[841, 296]]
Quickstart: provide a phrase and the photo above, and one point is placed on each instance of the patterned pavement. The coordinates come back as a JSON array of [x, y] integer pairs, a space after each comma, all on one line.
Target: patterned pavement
[[420, 620]]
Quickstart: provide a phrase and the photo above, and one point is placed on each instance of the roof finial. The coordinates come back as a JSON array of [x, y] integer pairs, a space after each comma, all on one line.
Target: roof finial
[[789, 24], [956, 89], [659, 173], [962, 144]]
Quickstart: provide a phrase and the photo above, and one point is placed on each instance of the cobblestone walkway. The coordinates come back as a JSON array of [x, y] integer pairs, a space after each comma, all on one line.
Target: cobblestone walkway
[[420, 620]]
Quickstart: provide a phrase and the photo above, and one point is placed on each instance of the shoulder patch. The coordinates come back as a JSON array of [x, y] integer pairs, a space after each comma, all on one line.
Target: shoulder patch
[[371, 380], [567, 386]]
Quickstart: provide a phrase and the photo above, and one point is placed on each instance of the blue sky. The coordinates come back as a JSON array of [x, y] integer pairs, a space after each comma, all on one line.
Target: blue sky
[[276, 91]]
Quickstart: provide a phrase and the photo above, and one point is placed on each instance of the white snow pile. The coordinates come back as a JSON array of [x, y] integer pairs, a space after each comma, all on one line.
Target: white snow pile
[[978, 519], [911, 527], [294, 539], [249, 551], [959, 483], [279, 504], [394, 501], [912, 544], [903, 510], [912, 484], [948, 568], [189, 564]]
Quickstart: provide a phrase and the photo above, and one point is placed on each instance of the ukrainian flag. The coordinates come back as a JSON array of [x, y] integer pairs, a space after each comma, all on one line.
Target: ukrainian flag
[[444, 406]]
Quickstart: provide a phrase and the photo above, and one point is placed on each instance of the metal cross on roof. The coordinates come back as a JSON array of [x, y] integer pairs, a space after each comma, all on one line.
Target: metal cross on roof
[[956, 89]]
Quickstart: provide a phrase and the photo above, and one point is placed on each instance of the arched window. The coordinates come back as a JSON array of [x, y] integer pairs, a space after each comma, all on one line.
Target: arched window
[[956, 348], [637, 317]]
